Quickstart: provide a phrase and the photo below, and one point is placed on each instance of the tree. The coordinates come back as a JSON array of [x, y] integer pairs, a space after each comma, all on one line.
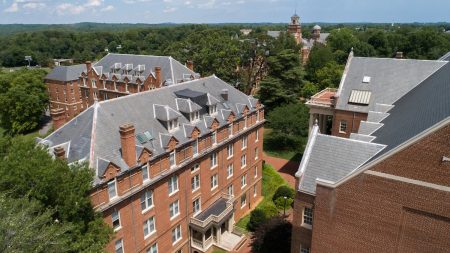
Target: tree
[[320, 55], [28, 227], [257, 217], [272, 236], [23, 99], [330, 75], [29, 171]]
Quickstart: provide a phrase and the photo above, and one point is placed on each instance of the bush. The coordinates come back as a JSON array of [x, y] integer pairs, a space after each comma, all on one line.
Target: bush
[[272, 236], [257, 217], [280, 204], [283, 191]]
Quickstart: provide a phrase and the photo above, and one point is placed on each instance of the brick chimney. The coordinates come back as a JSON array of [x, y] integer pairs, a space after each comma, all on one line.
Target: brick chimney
[[190, 65], [60, 153], [88, 66], [128, 144], [58, 117], [158, 77], [399, 55]]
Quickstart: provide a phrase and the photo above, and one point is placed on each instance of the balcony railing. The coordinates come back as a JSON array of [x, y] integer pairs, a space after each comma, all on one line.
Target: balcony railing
[[202, 245], [324, 97], [215, 218]]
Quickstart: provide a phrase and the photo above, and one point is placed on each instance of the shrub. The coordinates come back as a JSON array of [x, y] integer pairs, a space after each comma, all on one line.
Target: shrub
[[280, 204], [283, 191], [257, 217]]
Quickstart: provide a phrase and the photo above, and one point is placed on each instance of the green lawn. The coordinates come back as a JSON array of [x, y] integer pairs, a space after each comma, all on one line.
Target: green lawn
[[271, 180]]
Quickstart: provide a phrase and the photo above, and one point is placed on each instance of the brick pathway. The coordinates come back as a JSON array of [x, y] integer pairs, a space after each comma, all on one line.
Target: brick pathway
[[286, 168]]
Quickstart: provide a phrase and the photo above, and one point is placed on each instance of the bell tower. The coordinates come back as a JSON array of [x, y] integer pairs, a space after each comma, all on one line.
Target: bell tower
[[295, 28]]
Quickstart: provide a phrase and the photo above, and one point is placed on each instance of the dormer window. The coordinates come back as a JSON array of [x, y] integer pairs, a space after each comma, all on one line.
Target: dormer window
[[212, 109], [172, 124], [84, 81], [194, 116], [94, 84]]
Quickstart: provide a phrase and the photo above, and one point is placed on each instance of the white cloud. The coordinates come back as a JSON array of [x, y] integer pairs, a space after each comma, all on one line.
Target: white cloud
[[13, 8], [34, 5], [207, 5], [66, 8], [135, 1], [107, 8], [168, 10], [93, 3]]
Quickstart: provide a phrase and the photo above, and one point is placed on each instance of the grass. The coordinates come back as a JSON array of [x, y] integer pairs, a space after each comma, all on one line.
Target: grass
[[271, 180], [284, 154]]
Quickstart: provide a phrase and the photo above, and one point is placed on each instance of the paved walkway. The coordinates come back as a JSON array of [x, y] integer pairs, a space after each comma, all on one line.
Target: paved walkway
[[285, 167]]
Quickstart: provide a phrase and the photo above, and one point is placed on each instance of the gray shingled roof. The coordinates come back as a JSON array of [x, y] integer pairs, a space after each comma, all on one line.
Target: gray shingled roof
[[390, 79], [66, 73], [445, 57], [94, 134], [332, 158], [215, 209]]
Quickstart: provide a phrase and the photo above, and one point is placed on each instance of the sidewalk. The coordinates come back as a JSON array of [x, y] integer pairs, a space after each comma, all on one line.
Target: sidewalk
[[286, 168]]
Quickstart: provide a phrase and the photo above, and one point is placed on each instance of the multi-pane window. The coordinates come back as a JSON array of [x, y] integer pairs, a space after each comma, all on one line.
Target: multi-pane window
[[195, 167], [254, 191], [195, 147], [213, 160], [172, 159], [174, 209], [243, 200], [230, 129], [195, 182], [229, 170], [173, 184], [115, 219], [243, 181], [212, 109], [256, 153], [243, 161], [153, 248], [244, 142], [149, 226], [230, 190], [230, 150], [214, 137], [94, 83], [343, 126], [196, 206], [145, 173], [147, 200], [172, 124], [213, 181], [307, 216], [112, 191], [119, 246], [176, 234], [304, 249], [194, 116]]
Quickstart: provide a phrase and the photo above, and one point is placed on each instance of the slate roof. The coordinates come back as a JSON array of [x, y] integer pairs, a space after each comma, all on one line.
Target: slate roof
[[332, 158], [309, 43], [66, 73], [94, 134], [215, 209], [390, 80], [445, 57]]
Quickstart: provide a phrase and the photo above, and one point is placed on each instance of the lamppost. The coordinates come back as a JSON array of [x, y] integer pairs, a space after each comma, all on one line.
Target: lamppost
[[284, 209]]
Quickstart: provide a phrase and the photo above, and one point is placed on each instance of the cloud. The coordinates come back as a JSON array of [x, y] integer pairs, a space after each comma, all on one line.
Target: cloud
[[207, 5], [135, 1], [107, 8], [13, 8], [34, 5], [169, 10], [66, 8], [93, 3]]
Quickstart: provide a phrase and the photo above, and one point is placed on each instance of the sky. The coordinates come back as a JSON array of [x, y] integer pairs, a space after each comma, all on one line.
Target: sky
[[221, 11]]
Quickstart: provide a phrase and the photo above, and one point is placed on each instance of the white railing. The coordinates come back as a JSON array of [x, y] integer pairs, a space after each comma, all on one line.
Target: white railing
[[215, 218]]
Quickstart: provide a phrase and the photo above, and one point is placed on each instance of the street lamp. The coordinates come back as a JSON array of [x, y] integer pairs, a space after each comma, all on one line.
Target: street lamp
[[284, 209]]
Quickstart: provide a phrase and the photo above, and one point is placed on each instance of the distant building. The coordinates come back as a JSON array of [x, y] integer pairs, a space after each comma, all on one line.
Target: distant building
[[295, 28], [72, 89], [381, 181], [174, 168], [246, 31]]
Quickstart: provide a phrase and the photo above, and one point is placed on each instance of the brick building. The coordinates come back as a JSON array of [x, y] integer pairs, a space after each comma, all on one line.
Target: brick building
[[174, 167], [72, 89], [380, 182]]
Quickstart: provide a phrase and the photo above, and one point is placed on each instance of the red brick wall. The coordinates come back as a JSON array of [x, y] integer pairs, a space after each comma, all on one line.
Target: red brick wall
[[64, 95], [130, 211], [375, 214], [300, 235], [353, 120]]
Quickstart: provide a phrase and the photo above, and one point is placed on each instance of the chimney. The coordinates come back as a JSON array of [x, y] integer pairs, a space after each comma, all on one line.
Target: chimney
[[399, 55], [88, 66], [58, 117], [190, 65], [158, 77], [224, 94], [128, 144], [60, 153]]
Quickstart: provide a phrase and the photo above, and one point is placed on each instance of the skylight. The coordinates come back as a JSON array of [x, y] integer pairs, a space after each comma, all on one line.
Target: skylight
[[366, 79], [361, 97]]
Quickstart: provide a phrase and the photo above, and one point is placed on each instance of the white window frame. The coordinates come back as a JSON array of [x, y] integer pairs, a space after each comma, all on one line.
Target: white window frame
[[146, 200], [230, 130], [174, 209], [254, 190], [173, 159], [230, 190], [243, 197], [230, 150], [256, 171], [145, 173], [195, 168], [148, 224], [244, 142], [243, 160], [257, 135], [94, 83], [172, 125], [176, 234], [245, 122], [230, 169], [214, 182], [195, 203], [153, 248], [112, 183], [214, 138], [256, 153], [118, 219], [343, 126], [213, 158], [257, 116], [307, 217], [195, 148], [243, 181], [212, 109], [173, 185], [119, 245], [195, 182]]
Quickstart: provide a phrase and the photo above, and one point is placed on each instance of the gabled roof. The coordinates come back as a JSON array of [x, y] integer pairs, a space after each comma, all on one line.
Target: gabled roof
[[66, 73], [445, 57]]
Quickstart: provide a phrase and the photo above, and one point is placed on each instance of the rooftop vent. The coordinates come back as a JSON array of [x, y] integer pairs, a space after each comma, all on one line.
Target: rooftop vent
[[366, 79], [361, 97]]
